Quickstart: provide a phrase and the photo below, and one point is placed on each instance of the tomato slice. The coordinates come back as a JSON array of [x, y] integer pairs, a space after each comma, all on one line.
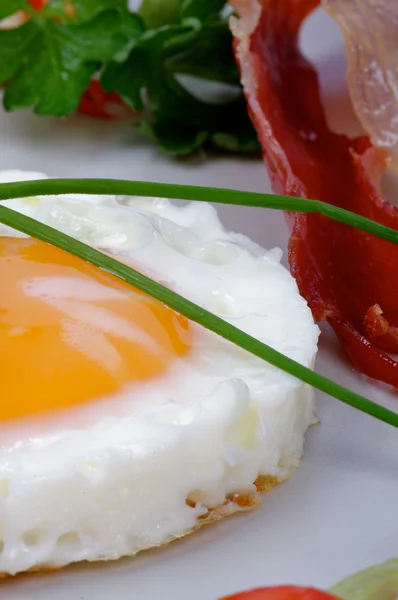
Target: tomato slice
[[282, 592], [97, 103], [37, 4]]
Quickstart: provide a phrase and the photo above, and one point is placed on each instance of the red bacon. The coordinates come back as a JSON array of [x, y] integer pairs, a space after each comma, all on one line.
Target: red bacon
[[349, 278]]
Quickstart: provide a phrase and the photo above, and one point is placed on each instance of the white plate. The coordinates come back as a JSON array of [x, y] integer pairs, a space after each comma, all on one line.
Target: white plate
[[338, 513]]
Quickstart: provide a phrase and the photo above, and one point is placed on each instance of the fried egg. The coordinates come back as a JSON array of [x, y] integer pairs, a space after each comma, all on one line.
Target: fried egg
[[124, 426]]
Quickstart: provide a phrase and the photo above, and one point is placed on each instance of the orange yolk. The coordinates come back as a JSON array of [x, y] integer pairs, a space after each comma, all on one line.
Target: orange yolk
[[70, 333]]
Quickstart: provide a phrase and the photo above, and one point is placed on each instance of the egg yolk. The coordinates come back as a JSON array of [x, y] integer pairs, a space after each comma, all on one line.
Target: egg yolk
[[70, 333]]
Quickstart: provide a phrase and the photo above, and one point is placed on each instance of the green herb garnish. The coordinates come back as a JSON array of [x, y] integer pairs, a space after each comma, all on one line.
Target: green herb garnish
[[122, 187], [49, 64], [189, 309], [49, 61]]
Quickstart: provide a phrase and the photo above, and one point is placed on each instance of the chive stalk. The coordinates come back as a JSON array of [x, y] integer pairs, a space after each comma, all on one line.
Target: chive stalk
[[122, 187]]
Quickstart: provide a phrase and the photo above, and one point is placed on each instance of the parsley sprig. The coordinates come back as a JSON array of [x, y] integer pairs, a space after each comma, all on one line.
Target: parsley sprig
[[49, 64], [175, 301], [49, 61]]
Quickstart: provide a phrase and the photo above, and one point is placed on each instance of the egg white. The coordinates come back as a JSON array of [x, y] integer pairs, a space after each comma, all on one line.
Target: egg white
[[113, 477]]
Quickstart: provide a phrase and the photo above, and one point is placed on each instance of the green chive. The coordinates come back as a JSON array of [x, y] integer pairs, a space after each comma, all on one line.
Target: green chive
[[188, 192], [193, 312]]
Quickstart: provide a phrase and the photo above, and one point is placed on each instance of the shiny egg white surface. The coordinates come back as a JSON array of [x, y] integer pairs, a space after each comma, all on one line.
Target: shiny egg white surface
[[121, 423]]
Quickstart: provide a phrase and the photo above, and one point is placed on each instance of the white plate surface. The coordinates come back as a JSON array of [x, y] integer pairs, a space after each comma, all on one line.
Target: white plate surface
[[338, 513]]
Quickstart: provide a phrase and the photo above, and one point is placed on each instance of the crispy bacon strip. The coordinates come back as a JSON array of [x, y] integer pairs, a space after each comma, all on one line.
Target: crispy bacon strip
[[349, 278]]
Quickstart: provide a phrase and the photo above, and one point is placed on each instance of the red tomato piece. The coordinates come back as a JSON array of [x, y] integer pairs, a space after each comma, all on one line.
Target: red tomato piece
[[97, 103], [37, 4], [282, 592]]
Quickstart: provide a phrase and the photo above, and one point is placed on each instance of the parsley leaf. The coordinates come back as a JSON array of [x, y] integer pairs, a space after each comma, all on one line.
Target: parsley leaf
[[80, 10], [207, 54], [14, 43], [156, 13], [149, 80], [204, 11], [145, 73], [50, 65]]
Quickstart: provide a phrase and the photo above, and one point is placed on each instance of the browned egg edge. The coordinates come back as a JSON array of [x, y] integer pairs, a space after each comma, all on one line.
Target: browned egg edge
[[233, 503]]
